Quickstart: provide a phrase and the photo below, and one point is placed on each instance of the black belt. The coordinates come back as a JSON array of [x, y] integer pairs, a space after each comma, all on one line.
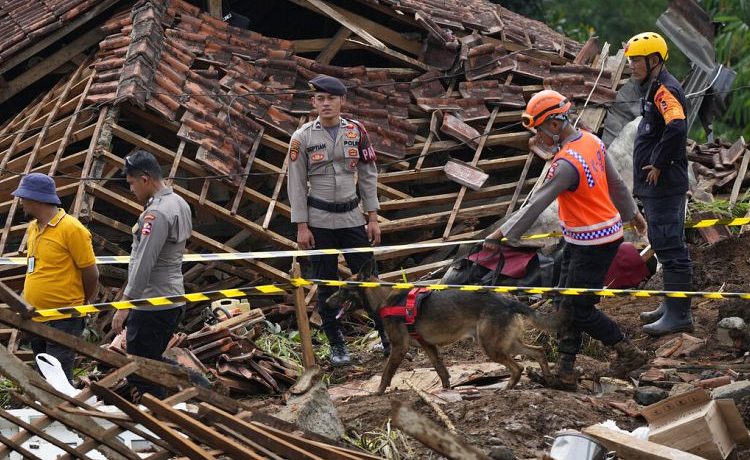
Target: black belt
[[332, 207]]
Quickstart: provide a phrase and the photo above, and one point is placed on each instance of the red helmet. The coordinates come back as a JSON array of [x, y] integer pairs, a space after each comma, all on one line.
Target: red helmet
[[542, 105]]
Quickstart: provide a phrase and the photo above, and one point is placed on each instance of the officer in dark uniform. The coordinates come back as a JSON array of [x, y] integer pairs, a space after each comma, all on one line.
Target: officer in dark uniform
[[159, 239], [332, 180], [660, 177]]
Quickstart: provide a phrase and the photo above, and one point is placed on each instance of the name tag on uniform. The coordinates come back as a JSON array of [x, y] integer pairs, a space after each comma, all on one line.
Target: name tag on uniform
[[30, 264]]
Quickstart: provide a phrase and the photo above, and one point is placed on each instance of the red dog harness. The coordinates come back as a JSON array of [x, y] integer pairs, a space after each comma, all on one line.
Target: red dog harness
[[409, 312]]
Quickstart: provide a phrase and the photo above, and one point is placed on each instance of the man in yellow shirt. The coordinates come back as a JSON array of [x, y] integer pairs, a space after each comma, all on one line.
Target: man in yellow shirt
[[61, 270]]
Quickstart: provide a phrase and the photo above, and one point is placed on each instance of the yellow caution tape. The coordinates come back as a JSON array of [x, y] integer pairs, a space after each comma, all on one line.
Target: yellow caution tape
[[527, 290], [83, 310], [279, 289], [215, 257]]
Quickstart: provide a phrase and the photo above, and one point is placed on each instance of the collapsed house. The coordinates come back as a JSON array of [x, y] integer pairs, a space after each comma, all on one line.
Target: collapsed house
[[440, 87]]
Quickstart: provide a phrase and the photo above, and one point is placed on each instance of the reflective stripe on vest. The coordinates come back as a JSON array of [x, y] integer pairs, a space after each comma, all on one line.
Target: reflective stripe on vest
[[587, 214]]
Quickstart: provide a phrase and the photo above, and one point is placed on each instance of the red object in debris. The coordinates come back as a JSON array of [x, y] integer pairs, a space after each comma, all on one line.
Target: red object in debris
[[627, 270], [516, 260]]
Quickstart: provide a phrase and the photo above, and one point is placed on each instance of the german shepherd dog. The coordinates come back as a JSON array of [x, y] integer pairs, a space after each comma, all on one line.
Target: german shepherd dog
[[448, 316]]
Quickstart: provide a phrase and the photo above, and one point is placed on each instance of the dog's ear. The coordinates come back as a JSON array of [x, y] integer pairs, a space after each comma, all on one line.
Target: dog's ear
[[368, 270]]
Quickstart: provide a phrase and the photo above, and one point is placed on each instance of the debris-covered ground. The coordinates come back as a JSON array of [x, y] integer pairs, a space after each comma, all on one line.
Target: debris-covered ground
[[518, 419]]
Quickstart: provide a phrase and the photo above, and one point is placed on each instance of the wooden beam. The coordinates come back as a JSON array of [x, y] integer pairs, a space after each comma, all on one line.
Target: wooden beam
[[447, 198], [740, 176], [636, 449], [433, 436], [357, 25], [270, 441], [79, 45], [436, 172], [374, 33], [65, 140], [316, 45], [303, 321], [430, 220], [333, 47], [517, 140], [177, 443], [198, 430], [474, 161], [520, 184], [214, 8], [78, 202], [194, 167], [246, 171], [42, 434]]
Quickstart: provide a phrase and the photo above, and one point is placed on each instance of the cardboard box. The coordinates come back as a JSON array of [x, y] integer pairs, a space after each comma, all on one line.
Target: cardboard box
[[695, 423]]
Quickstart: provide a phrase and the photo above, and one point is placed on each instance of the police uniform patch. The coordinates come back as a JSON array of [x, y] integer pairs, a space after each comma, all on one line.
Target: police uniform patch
[[149, 217], [352, 152], [668, 105], [351, 134], [353, 164], [146, 229], [350, 126], [294, 149], [319, 156]]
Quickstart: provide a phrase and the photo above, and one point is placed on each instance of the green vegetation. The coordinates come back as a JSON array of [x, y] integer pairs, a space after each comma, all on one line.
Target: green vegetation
[[387, 442]]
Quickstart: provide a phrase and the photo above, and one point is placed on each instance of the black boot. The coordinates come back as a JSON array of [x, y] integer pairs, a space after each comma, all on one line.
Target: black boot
[[654, 315], [339, 352], [677, 316]]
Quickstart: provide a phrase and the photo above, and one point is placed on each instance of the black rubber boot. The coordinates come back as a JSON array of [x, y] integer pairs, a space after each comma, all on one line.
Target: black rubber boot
[[677, 316], [654, 315]]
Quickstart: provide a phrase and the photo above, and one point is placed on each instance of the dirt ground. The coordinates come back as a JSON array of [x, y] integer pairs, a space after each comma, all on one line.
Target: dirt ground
[[519, 418]]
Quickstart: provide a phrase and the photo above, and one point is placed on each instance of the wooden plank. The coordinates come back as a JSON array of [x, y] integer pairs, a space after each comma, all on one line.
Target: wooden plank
[[354, 24], [50, 63], [414, 272], [429, 220], [198, 430], [740, 176], [374, 33], [518, 140], [42, 434], [636, 449], [520, 184], [246, 172], [194, 198], [193, 167], [303, 321], [436, 172], [18, 448], [280, 181], [177, 443], [244, 439], [445, 198], [78, 202], [214, 8], [433, 436], [316, 447], [48, 119], [474, 161], [269, 441], [176, 163], [316, 45], [333, 46], [31, 50], [65, 140]]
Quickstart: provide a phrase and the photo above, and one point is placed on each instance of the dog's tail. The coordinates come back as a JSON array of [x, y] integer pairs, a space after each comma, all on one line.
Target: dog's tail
[[549, 322]]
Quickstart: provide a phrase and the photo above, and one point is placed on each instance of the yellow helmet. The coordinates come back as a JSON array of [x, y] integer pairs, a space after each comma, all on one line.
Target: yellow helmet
[[646, 44]]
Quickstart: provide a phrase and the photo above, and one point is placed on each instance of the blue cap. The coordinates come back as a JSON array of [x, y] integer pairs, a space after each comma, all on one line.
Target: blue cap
[[37, 187], [329, 85]]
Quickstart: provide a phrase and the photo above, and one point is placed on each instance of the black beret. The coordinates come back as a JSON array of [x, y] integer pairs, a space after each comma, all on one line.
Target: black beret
[[329, 85]]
